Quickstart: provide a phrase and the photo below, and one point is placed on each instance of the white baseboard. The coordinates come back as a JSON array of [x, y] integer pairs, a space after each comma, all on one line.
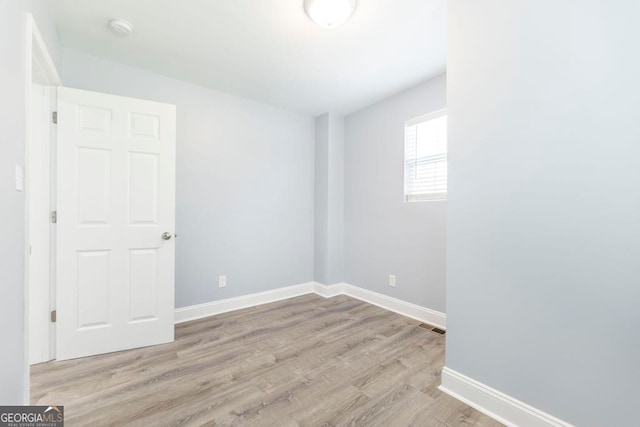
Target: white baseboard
[[328, 291], [199, 311], [404, 308], [497, 405], [414, 311]]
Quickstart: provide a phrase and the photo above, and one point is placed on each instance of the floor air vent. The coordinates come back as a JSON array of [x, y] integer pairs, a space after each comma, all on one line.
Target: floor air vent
[[432, 328]]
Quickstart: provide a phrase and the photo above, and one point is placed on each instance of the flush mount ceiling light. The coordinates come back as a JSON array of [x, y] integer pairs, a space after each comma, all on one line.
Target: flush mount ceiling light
[[329, 13], [120, 27]]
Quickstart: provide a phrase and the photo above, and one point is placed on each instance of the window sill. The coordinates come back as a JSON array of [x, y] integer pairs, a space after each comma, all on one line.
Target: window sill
[[426, 198]]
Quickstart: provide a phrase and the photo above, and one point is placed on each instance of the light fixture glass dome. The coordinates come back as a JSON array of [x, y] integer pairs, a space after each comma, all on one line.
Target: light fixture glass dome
[[121, 27], [329, 13]]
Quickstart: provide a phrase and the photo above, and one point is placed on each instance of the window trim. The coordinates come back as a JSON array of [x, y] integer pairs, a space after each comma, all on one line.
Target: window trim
[[428, 197]]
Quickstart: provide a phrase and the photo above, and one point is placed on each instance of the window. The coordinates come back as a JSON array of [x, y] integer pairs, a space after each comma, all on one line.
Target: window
[[425, 158]]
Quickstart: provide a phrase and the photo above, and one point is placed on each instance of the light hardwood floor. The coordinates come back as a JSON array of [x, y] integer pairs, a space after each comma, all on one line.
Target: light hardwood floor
[[306, 361]]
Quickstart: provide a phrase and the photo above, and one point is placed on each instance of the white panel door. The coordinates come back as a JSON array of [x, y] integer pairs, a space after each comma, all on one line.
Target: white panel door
[[116, 220]]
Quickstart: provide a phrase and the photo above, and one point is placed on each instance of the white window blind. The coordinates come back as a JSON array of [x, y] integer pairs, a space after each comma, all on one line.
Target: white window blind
[[426, 158]]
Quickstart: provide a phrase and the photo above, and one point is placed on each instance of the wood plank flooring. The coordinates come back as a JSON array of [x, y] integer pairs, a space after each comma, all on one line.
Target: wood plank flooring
[[306, 361]]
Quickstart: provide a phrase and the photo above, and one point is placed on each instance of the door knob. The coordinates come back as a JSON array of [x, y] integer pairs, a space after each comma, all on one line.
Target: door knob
[[166, 235]]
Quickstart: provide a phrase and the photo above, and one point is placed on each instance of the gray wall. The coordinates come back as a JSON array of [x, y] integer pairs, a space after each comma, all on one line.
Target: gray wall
[[329, 200], [13, 39], [244, 182], [383, 234], [321, 200], [544, 204]]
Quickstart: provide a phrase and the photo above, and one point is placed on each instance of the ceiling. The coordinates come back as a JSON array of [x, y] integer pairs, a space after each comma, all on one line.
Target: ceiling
[[269, 50]]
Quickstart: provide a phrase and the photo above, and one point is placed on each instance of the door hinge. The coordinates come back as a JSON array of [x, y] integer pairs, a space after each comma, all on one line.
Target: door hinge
[[54, 117], [54, 315], [54, 217]]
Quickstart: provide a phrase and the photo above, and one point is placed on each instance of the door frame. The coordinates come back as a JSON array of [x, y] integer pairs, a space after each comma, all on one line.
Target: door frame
[[39, 66]]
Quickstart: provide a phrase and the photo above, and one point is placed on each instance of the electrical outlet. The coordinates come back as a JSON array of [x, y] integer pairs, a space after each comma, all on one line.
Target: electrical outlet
[[392, 280], [222, 281]]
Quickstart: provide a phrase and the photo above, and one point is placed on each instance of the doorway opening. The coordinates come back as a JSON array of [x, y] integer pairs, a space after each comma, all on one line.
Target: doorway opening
[[42, 83], [99, 276]]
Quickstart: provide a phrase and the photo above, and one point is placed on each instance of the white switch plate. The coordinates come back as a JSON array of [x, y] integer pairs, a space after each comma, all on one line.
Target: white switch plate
[[19, 178], [222, 281], [392, 280]]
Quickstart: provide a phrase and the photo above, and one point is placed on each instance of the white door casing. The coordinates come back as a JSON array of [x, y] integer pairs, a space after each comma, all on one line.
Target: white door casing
[[115, 199], [37, 187]]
